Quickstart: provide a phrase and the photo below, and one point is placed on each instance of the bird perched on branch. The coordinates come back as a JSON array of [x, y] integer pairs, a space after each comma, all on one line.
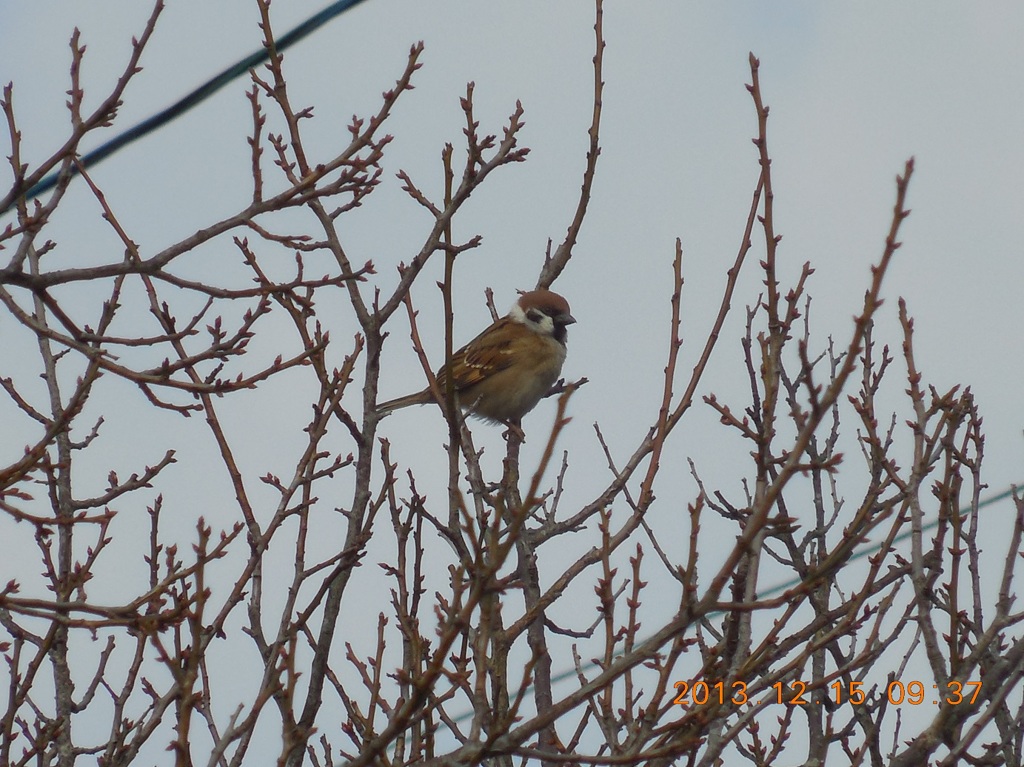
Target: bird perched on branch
[[505, 371]]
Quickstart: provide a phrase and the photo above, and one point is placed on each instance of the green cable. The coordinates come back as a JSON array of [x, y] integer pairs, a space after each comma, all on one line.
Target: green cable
[[865, 551]]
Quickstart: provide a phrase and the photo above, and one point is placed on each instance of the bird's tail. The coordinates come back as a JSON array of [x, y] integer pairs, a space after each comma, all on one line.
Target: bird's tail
[[397, 404]]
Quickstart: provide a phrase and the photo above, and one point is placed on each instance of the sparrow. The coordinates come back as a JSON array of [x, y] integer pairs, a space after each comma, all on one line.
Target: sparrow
[[505, 371]]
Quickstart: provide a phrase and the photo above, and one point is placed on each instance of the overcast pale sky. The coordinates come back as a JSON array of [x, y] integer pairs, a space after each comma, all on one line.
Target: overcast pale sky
[[854, 89]]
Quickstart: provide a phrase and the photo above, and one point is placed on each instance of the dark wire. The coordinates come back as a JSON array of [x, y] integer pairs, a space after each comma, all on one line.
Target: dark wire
[[200, 94], [217, 82]]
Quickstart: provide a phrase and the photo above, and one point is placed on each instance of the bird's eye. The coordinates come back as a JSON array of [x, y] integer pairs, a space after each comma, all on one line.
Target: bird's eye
[[534, 315]]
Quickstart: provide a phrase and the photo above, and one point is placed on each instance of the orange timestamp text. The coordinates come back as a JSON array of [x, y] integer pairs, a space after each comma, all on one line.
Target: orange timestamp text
[[796, 693]]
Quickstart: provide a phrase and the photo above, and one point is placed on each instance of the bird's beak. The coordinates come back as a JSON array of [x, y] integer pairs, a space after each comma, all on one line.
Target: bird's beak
[[566, 319]]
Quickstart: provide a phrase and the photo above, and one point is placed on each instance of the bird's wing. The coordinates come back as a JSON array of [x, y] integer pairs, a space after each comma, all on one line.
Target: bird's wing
[[481, 358]]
